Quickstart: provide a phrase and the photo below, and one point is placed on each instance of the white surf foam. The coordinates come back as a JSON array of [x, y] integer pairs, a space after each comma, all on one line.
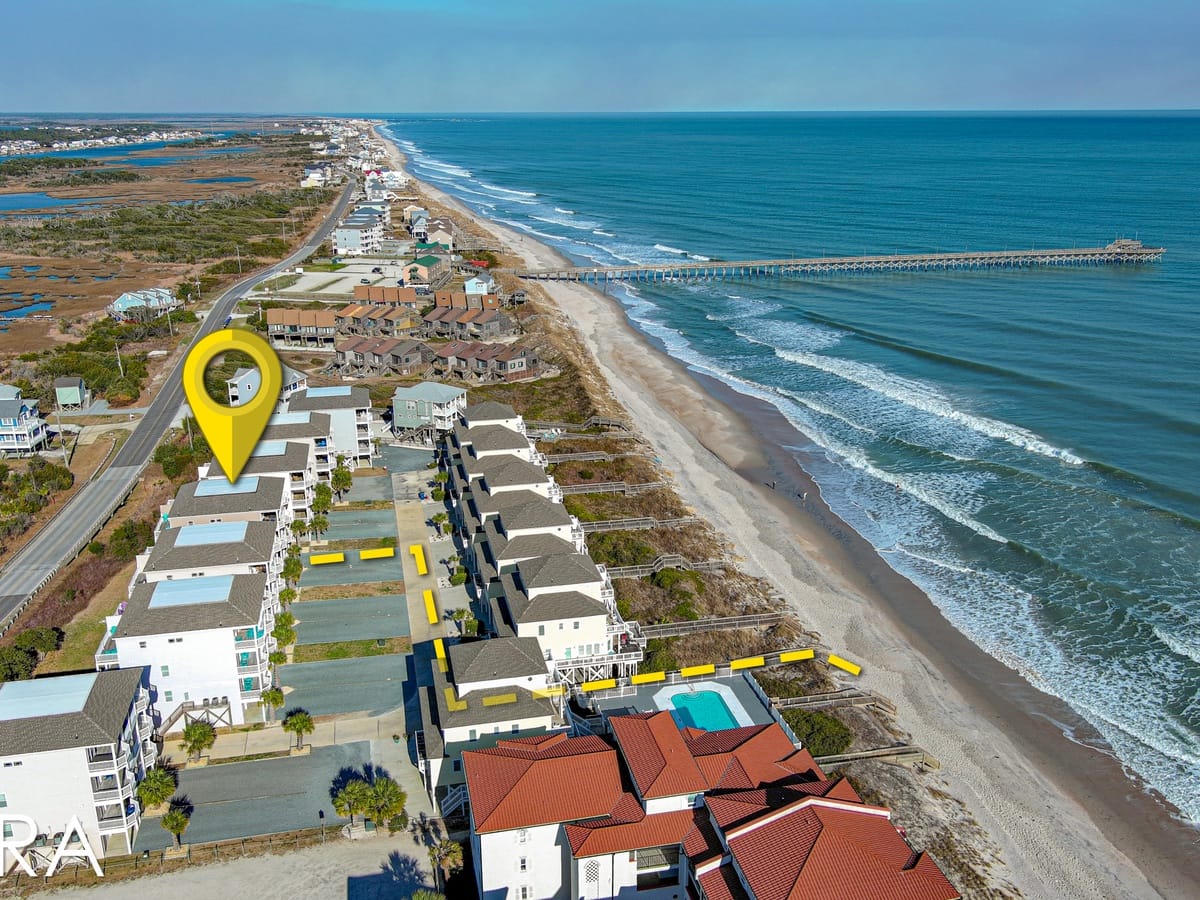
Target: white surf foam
[[1179, 644], [565, 212], [493, 187], [927, 399], [663, 248]]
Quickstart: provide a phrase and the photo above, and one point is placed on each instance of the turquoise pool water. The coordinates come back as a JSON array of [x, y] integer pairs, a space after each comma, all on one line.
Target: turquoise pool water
[[702, 709]]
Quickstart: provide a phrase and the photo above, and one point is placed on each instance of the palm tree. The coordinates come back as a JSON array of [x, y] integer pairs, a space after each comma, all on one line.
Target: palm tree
[[292, 570], [299, 528], [439, 521], [319, 524], [355, 797], [277, 657], [426, 894], [387, 799], [176, 820], [322, 498], [447, 858], [299, 723], [156, 786], [287, 596], [198, 736], [340, 479], [272, 699]]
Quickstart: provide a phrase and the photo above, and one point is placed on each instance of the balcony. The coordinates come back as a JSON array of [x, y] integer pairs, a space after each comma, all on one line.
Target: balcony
[[113, 794], [118, 824], [107, 762], [254, 670]]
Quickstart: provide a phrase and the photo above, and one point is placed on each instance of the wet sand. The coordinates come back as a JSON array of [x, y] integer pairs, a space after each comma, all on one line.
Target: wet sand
[[1068, 821]]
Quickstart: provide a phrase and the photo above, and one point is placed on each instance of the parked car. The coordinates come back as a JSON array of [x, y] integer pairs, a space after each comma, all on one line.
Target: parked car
[[364, 281], [378, 270]]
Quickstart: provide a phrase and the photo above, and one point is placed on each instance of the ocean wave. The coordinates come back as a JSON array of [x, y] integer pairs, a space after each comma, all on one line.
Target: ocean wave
[[603, 233], [529, 229], [449, 168], [1177, 644], [493, 187], [663, 248], [934, 561], [586, 226], [928, 399], [565, 212], [698, 258]]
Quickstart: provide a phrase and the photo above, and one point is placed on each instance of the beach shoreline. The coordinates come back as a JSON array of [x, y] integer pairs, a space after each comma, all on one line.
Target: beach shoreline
[[1065, 816]]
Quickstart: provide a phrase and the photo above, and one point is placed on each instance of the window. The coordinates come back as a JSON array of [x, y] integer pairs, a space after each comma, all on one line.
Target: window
[[174, 640], [516, 728], [166, 671], [3, 801], [522, 836], [168, 696], [457, 765], [473, 736], [576, 625], [141, 645], [524, 892], [8, 832], [541, 631], [523, 864]]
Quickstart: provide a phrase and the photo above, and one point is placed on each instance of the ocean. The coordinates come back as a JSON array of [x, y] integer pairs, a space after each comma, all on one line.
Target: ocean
[[1024, 445]]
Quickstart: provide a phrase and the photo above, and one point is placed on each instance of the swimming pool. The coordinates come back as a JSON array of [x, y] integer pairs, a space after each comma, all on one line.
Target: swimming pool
[[702, 709]]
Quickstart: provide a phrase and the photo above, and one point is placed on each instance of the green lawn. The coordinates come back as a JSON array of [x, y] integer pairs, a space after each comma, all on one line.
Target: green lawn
[[350, 649]]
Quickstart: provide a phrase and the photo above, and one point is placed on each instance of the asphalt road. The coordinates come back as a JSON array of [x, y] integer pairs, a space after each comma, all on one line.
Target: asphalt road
[[79, 520]]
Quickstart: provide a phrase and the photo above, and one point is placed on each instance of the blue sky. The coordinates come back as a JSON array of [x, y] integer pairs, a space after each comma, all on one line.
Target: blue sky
[[603, 55]]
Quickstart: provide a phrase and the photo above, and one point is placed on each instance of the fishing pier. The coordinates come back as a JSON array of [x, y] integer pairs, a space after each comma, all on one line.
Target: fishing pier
[[1122, 252]]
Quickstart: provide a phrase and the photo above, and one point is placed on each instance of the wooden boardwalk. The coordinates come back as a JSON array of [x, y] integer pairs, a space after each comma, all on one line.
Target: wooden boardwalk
[[1118, 253]]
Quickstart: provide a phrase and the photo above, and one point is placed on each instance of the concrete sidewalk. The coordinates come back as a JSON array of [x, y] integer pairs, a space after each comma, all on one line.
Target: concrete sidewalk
[[273, 739]]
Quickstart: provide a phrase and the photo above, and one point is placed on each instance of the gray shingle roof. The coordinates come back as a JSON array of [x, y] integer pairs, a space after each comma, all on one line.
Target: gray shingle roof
[[553, 607], [504, 471], [267, 498], [497, 658], [358, 398], [557, 571], [255, 547], [99, 722], [490, 438], [520, 510], [489, 411], [530, 546], [317, 426], [242, 608], [293, 459]]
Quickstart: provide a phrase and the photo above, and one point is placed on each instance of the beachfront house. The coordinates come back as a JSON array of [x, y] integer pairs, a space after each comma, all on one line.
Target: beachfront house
[[71, 394], [350, 417], [667, 813], [22, 429], [75, 746], [424, 410], [483, 283], [440, 231], [357, 237], [425, 269], [246, 381], [249, 499]]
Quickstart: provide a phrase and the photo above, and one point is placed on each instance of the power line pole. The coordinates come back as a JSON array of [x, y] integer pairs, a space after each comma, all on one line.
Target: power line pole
[[120, 366]]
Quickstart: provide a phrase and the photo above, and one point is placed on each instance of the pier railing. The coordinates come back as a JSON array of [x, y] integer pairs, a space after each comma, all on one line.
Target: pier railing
[[1119, 252]]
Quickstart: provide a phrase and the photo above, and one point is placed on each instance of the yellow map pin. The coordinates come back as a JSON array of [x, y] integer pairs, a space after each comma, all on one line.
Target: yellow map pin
[[232, 431]]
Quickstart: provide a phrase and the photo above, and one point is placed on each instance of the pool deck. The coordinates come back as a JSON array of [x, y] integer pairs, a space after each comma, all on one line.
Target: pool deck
[[644, 698]]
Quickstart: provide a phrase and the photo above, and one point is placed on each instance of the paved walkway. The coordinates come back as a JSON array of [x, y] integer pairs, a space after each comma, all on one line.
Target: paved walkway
[[273, 739], [411, 529]]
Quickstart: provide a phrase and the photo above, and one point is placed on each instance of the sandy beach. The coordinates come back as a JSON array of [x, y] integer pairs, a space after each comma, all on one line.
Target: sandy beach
[[1064, 816]]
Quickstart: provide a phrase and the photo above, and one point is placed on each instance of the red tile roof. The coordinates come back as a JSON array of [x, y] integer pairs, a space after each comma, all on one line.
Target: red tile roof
[[657, 756], [748, 757], [731, 809], [656, 830], [828, 848], [524, 782], [722, 883]]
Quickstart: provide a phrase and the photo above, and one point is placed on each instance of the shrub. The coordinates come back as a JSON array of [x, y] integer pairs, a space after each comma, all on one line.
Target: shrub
[[96, 548], [458, 578], [437, 494], [820, 733], [130, 539], [659, 657], [586, 474]]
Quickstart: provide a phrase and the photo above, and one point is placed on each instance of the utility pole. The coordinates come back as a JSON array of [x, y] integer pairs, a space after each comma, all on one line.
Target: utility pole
[[61, 440], [238, 248], [120, 366]]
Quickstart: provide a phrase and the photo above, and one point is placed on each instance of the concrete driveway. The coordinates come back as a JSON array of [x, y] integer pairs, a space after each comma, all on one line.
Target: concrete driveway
[[370, 487], [324, 621], [234, 800], [355, 524], [353, 570]]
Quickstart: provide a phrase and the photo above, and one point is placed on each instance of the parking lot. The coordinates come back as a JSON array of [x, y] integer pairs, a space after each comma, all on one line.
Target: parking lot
[[358, 619], [368, 684], [234, 800]]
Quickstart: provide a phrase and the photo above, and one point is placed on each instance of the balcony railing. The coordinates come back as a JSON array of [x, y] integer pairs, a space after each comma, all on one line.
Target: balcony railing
[[114, 794], [108, 763]]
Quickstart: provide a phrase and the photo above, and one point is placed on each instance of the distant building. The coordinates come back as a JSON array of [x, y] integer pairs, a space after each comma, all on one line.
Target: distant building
[[146, 303], [77, 746], [426, 409], [245, 384], [480, 284], [425, 268], [71, 394], [304, 329], [357, 238], [313, 427], [382, 356], [22, 429]]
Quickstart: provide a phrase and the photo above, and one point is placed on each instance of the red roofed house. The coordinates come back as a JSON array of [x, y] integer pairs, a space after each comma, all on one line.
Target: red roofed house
[[738, 814]]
